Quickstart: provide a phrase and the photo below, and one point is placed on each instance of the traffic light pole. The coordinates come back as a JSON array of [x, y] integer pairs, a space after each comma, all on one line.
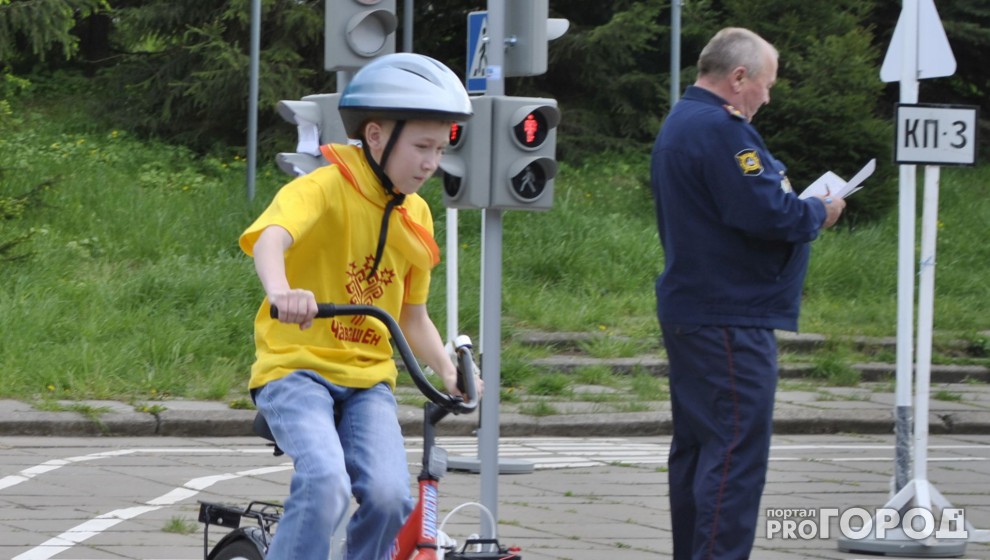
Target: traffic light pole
[[252, 149], [407, 25], [491, 290]]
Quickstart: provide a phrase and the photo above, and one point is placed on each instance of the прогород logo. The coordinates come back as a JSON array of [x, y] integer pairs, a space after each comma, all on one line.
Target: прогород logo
[[859, 523]]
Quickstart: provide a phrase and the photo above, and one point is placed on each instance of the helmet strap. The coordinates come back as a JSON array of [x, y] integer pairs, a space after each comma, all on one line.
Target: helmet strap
[[379, 166], [397, 198]]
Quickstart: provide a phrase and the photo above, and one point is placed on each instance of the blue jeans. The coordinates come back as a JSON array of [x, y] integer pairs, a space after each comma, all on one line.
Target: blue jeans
[[358, 452]]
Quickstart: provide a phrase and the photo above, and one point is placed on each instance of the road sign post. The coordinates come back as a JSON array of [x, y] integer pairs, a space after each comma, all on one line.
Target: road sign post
[[925, 134]]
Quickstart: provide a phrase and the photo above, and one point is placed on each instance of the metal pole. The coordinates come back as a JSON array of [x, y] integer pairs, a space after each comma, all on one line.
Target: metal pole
[[407, 27], [926, 310], [675, 51], [252, 147], [343, 78], [491, 297], [452, 278], [905, 260]]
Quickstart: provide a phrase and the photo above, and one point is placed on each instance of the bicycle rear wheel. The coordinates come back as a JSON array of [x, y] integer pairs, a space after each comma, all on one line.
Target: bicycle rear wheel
[[239, 550]]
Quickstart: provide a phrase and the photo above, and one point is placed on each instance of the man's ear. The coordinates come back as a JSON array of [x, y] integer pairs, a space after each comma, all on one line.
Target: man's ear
[[738, 73]]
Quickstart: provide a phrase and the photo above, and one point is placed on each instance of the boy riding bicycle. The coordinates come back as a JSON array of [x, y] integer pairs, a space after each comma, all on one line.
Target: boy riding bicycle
[[352, 232]]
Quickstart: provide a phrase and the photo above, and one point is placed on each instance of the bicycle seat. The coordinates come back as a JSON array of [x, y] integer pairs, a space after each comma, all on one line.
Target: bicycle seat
[[261, 428]]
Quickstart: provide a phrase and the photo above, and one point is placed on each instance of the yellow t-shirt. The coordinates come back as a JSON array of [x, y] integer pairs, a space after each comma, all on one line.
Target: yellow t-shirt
[[334, 216]]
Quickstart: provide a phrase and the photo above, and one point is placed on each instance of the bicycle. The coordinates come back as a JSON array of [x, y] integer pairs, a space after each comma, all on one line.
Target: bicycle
[[419, 538]]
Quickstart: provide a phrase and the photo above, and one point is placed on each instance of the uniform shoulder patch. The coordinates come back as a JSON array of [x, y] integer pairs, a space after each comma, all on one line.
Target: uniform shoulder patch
[[749, 162]]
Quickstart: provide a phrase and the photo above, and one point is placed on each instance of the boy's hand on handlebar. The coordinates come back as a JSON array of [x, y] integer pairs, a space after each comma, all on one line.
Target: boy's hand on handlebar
[[479, 385], [295, 306], [450, 385]]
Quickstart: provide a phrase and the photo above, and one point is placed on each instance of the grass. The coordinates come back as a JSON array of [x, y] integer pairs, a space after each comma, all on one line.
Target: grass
[[128, 282], [180, 526], [91, 412], [833, 366], [595, 375], [538, 408], [549, 384], [609, 346], [943, 395], [649, 388]]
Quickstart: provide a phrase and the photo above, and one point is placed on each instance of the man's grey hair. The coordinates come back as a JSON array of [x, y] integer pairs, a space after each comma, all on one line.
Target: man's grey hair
[[733, 47]]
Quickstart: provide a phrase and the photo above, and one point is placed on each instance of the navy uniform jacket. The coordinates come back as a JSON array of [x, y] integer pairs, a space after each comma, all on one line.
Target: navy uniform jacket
[[735, 237]]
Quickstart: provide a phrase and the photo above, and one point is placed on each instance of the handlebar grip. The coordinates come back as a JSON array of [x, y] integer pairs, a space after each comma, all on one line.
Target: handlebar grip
[[465, 380], [323, 311]]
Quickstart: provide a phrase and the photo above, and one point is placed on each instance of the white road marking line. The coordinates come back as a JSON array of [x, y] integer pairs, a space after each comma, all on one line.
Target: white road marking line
[[54, 464], [582, 451], [95, 526], [559, 453]]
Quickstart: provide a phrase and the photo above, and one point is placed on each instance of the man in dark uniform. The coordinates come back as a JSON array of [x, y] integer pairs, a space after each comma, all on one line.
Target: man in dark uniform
[[736, 245]]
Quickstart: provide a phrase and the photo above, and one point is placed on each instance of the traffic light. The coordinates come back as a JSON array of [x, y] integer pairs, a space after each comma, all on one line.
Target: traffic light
[[318, 122], [527, 30], [524, 143], [526, 37], [466, 164], [357, 31]]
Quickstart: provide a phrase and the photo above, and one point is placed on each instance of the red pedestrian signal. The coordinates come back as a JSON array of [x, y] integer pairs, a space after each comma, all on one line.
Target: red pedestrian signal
[[456, 131], [531, 132]]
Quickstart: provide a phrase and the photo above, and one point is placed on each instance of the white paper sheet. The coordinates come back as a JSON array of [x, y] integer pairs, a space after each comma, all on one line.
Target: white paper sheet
[[831, 184]]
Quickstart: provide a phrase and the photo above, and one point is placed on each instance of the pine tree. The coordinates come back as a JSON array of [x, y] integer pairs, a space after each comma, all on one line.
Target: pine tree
[[34, 28]]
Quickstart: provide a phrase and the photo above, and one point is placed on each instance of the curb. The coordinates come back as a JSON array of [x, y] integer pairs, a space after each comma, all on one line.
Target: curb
[[210, 419], [872, 371]]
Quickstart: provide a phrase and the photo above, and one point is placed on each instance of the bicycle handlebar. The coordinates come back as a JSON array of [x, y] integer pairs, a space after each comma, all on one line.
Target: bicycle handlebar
[[465, 363]]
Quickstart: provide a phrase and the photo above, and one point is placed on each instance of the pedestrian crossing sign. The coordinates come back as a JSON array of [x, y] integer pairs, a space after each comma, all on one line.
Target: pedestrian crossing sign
[[477, 52]]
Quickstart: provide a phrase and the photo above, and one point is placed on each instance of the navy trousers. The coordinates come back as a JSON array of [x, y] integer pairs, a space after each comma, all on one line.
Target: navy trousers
[[722, 384]]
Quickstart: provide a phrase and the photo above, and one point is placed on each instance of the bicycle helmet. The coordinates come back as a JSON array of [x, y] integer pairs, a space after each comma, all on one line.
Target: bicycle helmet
[[403, 86]]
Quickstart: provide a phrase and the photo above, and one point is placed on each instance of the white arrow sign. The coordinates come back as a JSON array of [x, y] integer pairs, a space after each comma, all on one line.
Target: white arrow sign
[[935, 58]]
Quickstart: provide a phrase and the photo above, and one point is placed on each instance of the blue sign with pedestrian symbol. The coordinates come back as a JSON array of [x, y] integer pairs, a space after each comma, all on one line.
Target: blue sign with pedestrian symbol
[[477, 52]]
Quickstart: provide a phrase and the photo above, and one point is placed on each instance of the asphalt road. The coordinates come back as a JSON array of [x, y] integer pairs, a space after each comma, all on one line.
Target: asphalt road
[[116, 498]]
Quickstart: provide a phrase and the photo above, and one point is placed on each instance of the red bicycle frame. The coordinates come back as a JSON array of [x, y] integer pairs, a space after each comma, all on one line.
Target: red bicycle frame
[[419, 534], [417, 540]]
